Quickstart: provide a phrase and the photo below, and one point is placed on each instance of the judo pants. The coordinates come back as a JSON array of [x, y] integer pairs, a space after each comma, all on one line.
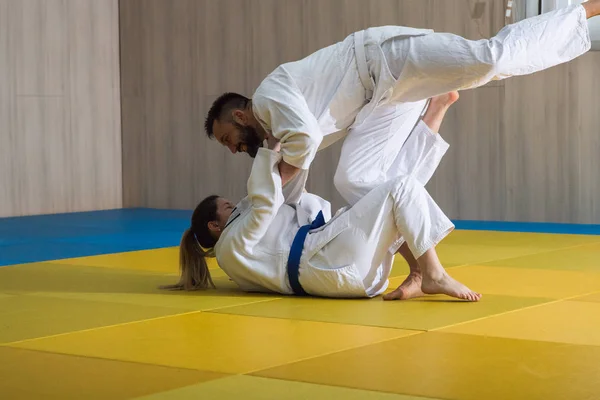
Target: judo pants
[[400, 207], [421, 67]]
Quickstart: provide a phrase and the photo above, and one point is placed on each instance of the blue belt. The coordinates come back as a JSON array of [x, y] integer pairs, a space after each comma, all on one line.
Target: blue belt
[[293, 265]]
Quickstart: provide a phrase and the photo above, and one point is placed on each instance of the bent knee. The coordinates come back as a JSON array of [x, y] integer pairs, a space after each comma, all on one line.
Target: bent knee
[[351, 188]]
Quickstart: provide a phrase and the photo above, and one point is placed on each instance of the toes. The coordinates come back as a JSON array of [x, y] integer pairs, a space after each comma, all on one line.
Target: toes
[[469, 296], [474, 296]]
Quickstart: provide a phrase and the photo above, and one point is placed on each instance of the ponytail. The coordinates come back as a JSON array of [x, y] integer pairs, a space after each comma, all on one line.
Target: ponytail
[[195, 274], [192, 256]]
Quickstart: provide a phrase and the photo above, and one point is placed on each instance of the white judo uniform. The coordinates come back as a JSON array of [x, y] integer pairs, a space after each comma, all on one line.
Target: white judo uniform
[[372, 88], [350, 256]]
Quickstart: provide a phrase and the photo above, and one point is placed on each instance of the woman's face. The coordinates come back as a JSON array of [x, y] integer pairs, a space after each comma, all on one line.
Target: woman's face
[[224, 209]]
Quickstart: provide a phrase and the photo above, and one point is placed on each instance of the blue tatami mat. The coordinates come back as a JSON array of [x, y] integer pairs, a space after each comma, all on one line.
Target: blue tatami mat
[[533, 227], [52, 237]]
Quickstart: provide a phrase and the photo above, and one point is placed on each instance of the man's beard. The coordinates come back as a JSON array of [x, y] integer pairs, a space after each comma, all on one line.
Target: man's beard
[[250, 138]]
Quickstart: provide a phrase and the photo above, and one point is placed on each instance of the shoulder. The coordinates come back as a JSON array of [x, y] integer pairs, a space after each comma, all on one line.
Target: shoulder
[[272, 103], [277, 88]]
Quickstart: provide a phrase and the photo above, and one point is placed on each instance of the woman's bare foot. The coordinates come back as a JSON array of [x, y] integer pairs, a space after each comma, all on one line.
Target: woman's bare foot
[[437, 281], [409, 289], [448, 286]]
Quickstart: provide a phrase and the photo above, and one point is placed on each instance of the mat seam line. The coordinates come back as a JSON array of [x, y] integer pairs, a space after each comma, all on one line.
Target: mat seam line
[[516, 310], [317, 321], [60, 353], [412, 333], [117, 325], [526, 255]]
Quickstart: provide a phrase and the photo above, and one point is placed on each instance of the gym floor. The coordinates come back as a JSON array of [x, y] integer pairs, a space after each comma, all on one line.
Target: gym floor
[[81, 318]]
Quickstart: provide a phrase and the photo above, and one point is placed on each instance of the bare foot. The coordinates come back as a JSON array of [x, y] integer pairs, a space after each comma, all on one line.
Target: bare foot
[[592, 8], [445, 100], [450, 287], [438, 106], [409, 289]]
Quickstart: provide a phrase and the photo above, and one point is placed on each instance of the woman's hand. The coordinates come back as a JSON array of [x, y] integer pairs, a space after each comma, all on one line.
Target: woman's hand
[[273, 143]]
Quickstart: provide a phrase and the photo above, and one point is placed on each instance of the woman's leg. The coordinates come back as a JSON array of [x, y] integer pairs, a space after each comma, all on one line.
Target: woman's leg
[[423, 225], [398, 208], [411, 287], [436, 279]]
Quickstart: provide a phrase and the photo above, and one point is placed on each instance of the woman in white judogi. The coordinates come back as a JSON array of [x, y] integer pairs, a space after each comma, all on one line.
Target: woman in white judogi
[[259, 243]]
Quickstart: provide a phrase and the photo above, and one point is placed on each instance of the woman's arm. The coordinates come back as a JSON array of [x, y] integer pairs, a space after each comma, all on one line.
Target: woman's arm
[[265, 195]]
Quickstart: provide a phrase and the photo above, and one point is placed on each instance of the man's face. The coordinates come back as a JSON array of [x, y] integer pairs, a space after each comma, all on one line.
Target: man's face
[[237, 137]]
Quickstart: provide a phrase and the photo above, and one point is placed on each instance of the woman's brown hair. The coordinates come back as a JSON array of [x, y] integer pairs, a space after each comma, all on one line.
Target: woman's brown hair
[[197, 243]]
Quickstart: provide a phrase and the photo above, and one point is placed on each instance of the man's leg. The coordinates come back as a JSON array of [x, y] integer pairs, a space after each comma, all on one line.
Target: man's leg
[[430, 65], [592, 8], [411, 287], [370, 149]]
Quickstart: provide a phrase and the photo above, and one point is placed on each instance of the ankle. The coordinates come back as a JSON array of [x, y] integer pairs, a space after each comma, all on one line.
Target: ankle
[[415, 269], [436, 275], [417, 274], [592, 8]]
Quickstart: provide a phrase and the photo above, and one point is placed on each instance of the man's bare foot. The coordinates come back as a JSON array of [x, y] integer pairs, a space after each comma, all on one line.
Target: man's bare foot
[[438, 106], [409, 289], [444, 100], [592, 8], [450, 287]]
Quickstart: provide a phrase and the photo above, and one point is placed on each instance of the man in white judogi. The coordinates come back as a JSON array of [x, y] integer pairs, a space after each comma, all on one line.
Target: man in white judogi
[[371, 89]]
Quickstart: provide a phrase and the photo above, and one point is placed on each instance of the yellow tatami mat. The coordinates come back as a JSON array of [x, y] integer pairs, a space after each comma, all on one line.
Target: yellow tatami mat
[[99, 328]]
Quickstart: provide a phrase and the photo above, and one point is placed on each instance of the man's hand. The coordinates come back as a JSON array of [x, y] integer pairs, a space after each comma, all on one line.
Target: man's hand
[[287, 172]]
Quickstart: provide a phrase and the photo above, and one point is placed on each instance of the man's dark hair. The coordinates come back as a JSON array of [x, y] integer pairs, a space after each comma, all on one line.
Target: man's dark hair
[[223, 106]]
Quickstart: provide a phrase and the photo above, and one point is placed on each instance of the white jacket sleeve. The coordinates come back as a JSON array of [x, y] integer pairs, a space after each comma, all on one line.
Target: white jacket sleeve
[[287, 117], [265, 196]]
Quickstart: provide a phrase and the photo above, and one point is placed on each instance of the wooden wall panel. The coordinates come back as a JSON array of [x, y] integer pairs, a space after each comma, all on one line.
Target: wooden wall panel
[[6, 94], [503, 163], [584, 124], [60, 106], [94, 99], [134, 143], [552, 140], [41, 123], [40, 38], [469, 184]]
